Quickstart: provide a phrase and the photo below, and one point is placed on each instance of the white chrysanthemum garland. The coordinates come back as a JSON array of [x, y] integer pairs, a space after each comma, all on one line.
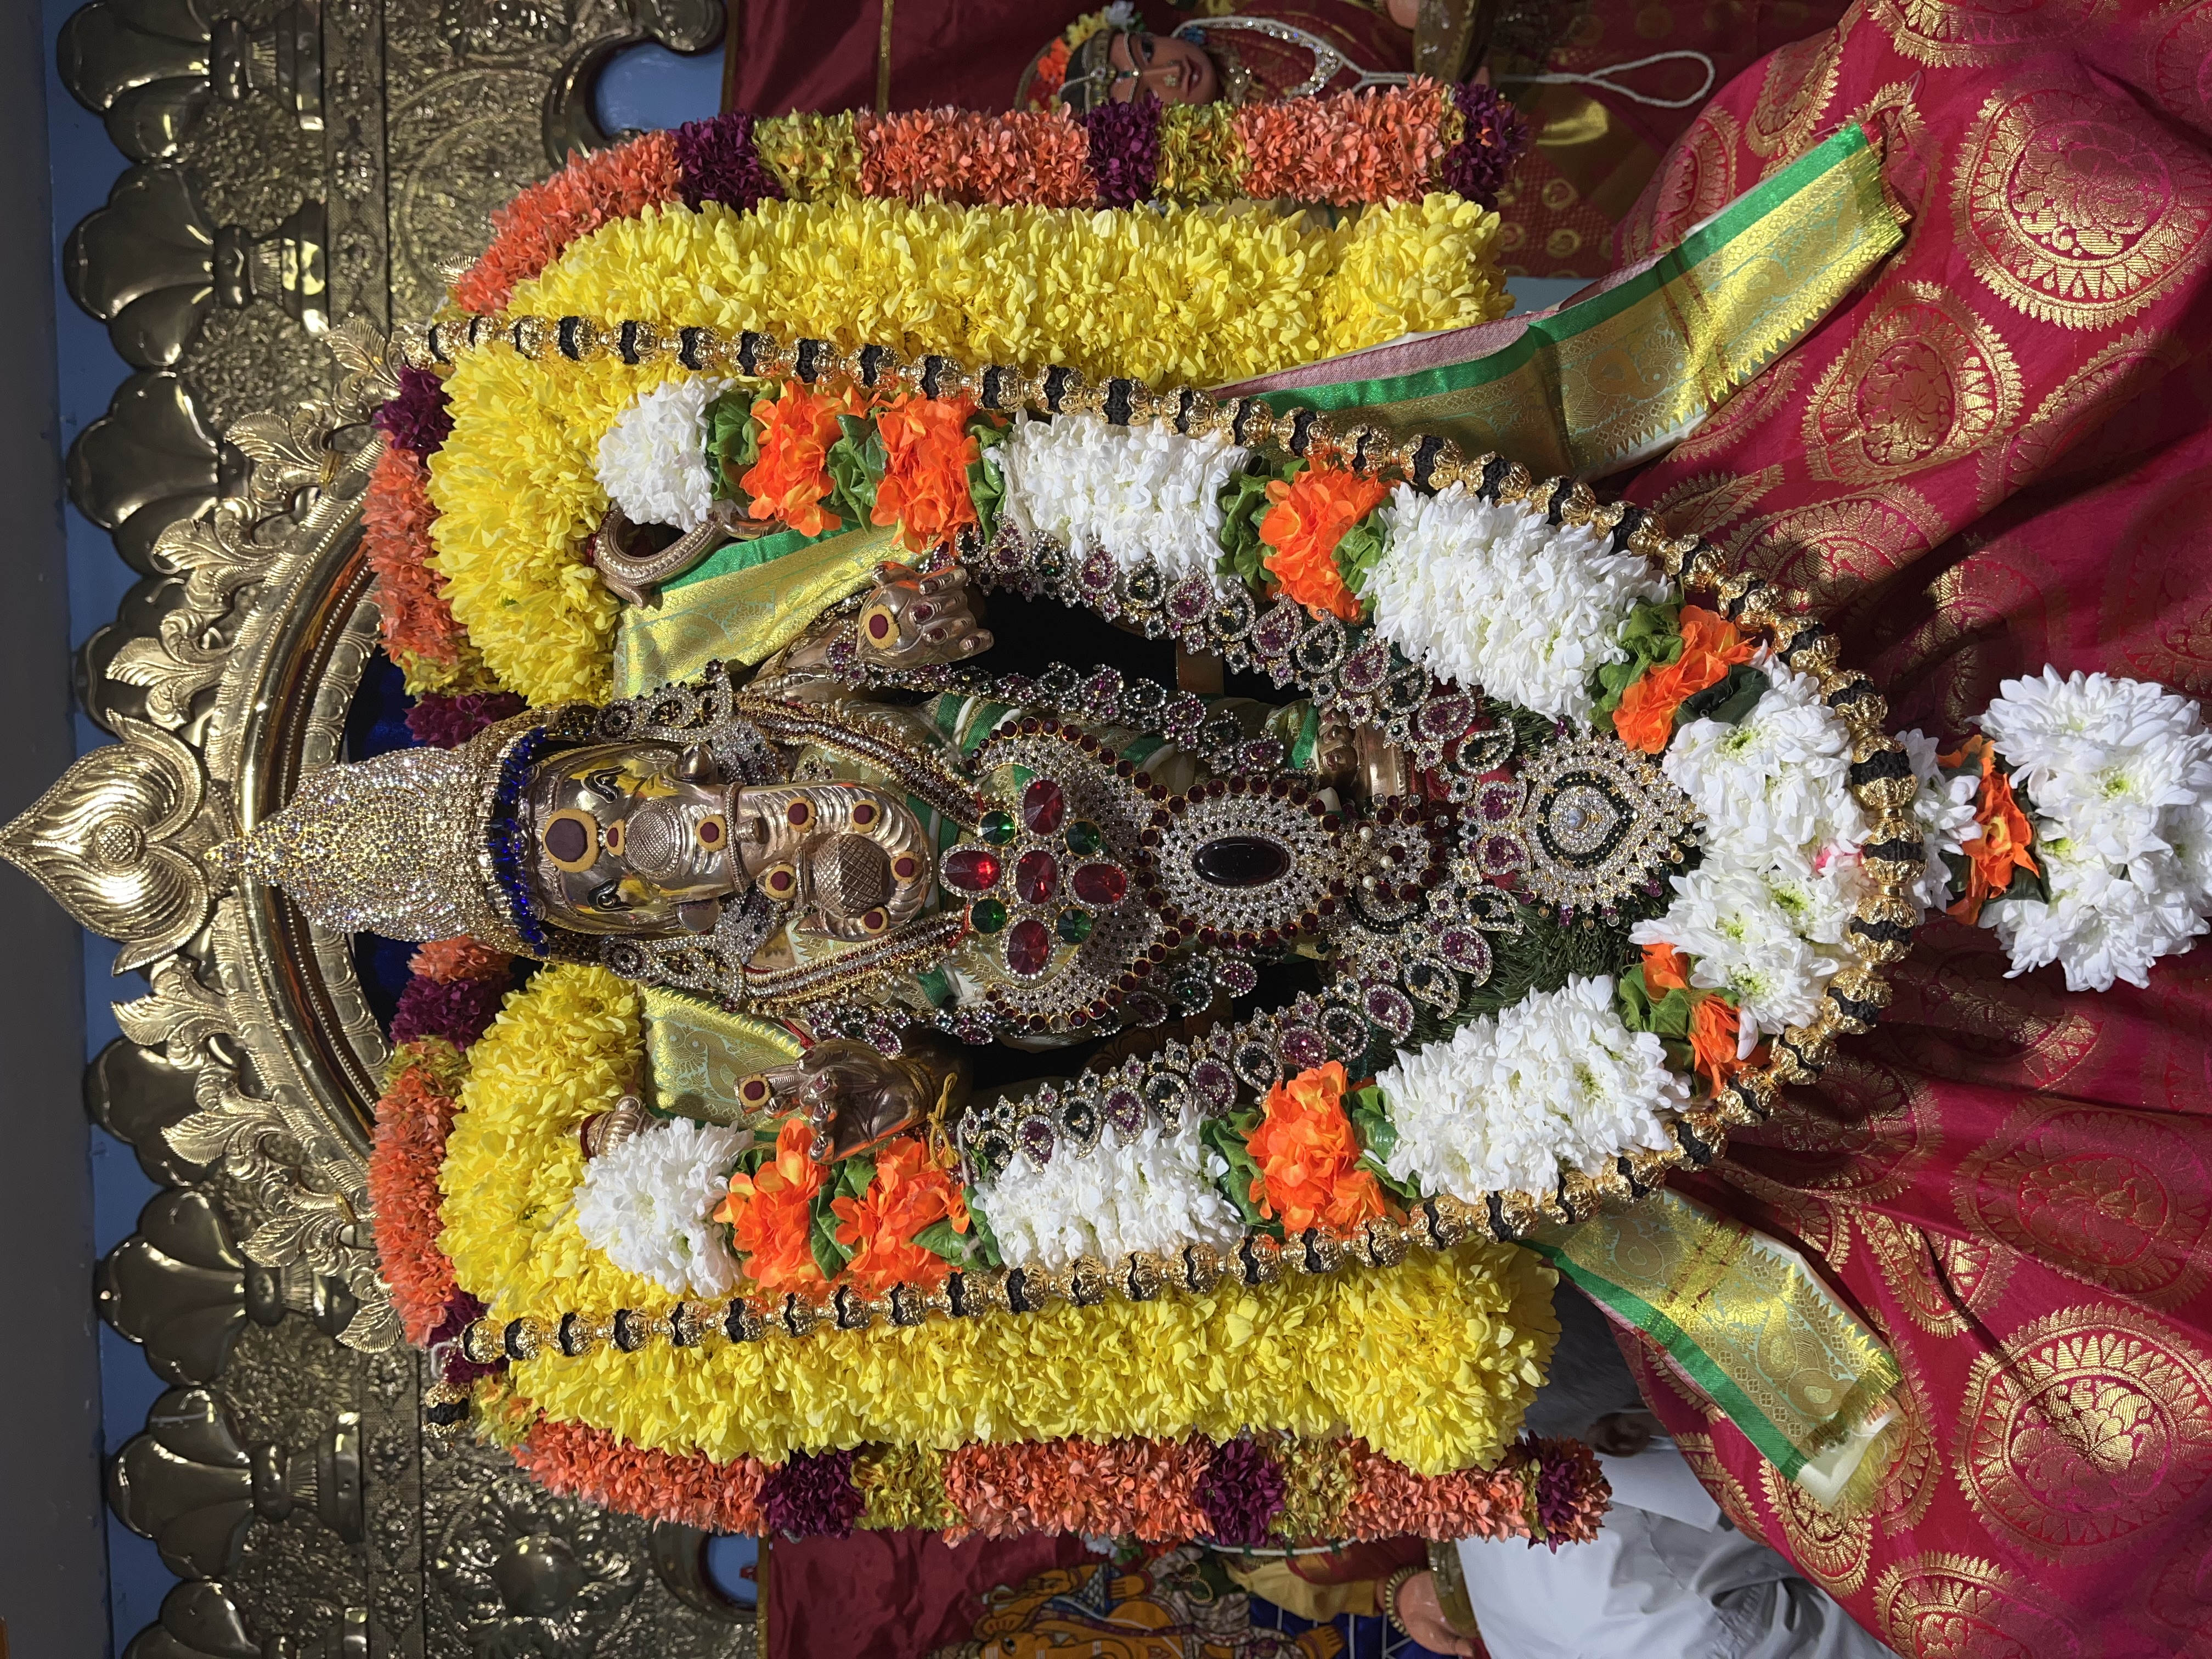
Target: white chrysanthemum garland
[[1556, 1081], [1140, 493], [1492, 594], [2117, 777], [1154, 1191], [649, 1203], [653, 460]]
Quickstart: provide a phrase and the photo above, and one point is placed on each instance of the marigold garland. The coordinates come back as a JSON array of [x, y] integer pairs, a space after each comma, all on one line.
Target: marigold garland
[[816, 158], [1201, 154], [420, 633], [1349, 147], [1429, 1361], [1037, 157]]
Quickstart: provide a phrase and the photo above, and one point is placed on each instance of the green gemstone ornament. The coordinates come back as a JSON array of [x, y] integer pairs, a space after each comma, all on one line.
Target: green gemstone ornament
[[986, 915], [1074, 925], [1084, 837], [997, 827]]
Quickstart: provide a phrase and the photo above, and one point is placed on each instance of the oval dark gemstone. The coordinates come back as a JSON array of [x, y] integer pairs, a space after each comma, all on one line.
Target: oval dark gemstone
[[1044, 807], [1101, 884], [1029, 946], [1036, 877], [1241, 861], [971, 869]]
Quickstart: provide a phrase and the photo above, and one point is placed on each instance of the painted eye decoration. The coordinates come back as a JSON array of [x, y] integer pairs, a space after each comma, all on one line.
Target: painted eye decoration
[[571, 840], [614, 837], [712, 832]]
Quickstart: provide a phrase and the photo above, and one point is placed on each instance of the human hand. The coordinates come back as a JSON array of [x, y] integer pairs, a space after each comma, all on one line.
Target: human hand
[[1421, 1616], [911, 620], [1624, 1434]]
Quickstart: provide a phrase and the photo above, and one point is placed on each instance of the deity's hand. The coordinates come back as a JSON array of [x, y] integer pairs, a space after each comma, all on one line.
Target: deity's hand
[[855, 1096], [911, 620]]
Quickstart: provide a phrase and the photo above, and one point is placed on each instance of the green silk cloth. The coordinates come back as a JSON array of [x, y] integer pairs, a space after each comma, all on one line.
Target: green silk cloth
[[1749, 1322], [696, 1053], [743, 604], [1614, 379]]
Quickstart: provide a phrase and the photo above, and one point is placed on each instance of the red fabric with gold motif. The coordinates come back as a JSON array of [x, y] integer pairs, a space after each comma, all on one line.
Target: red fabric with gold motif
[[1995, 454]]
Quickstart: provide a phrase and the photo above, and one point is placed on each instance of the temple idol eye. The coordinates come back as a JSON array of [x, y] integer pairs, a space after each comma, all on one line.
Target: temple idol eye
[[566, 840]]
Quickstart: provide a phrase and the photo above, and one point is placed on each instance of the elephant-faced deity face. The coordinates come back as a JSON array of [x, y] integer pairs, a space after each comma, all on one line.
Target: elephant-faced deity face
[[632, 838]]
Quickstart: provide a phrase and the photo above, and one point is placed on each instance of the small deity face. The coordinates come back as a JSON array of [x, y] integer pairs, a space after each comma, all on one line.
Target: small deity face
[[1173, 71], [631, 838]]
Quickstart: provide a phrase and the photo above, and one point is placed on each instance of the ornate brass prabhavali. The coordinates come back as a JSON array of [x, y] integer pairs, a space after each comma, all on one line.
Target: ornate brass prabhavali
[[314, 161]]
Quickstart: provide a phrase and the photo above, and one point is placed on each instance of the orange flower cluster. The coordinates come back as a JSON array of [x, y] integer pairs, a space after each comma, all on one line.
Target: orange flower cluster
[[396, 515], [573, 1460], [411, 1121], [1038, 158], [927, 449], [771, 1213], [1390, 1501], [1310, 514], [791, 479], [1715, 1024], [532, 230], [1142, 1489], [1372, 146], [446, 960], [1309, 1158], [1712, 645], [910, 1192], [2005, 837]]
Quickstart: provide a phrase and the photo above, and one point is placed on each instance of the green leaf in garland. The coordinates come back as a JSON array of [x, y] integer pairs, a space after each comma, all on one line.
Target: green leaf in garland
[[1228, 1136], [733, 442], [1668, 1017], [986, 1247], [939, 1239], [1359, 551], [1726, 700], [1244, 504], [829, 1256], [1653, 636], [856, 462], [985, 485], [1370, 1113]]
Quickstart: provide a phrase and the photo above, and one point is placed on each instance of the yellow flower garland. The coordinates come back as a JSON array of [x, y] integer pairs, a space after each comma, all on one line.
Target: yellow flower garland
[[1196, 294], [1431, 1362]]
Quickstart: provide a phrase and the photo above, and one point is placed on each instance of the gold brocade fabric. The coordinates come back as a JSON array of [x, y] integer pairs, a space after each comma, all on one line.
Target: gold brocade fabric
[[745, 615], [1748, 1319], [696, 1053], [1615, 378]]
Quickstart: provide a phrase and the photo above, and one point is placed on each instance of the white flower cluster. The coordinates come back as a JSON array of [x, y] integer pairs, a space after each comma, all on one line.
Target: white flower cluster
[[653, 460], [1497, 596], [1765, 912], [1944, 809], [1139, 492], [1154, 1192], [649, 1204], [1556, 1080], [2117, 775]]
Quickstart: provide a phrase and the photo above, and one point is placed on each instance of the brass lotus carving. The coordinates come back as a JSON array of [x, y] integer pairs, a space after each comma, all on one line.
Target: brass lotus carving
[[119, 842]]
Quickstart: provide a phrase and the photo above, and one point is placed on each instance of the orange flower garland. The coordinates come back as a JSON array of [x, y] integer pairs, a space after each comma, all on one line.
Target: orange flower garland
[[2006, 834], [1715, 1024], [908, 1193], [531, 232], [1040, 158], [771, 1213], [419, 629], [927, 449], [1309, 1158], [1373, 146], [1712, 645], [412, 1119], [573, 1460], [791, 479], [1309, 516]]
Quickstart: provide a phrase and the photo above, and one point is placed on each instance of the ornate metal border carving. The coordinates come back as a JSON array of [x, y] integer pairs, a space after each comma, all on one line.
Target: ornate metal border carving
[[290, 163]]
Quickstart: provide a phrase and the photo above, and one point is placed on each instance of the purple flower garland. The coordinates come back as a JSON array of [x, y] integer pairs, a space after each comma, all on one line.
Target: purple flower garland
[[420, 416], [719, 163], [1125, 149], [812, 1496], [1239, 1492], [439, 721], [459, 1009], [1496, 136]]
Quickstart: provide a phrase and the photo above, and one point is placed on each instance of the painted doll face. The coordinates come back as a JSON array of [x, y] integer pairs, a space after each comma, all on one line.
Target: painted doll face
[[625, 836], [1173, 71]]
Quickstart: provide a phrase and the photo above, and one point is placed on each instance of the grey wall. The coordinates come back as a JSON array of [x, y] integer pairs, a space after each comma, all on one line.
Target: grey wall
[[53, 1562]]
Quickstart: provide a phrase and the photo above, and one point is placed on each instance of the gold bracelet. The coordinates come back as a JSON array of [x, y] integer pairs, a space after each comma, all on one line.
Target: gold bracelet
[[1391, 1586]]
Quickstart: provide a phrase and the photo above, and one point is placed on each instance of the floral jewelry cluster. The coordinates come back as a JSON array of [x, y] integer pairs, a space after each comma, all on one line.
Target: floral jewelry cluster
[[1252, 1490]]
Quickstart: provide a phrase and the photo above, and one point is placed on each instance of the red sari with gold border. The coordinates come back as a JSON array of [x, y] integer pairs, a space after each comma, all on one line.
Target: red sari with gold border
[[1994, 455]]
